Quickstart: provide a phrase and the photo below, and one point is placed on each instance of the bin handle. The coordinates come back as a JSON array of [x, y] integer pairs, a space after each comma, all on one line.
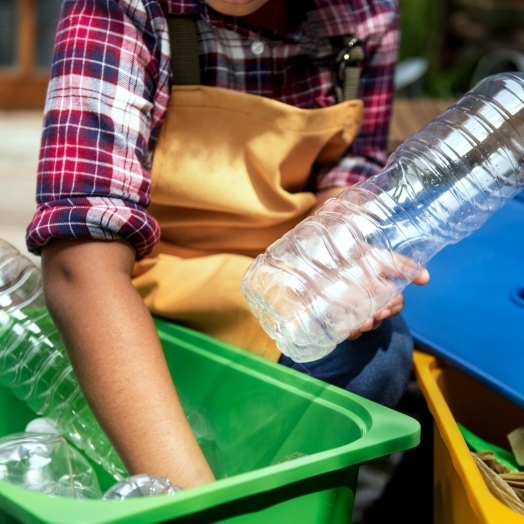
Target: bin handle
[[517, 296]]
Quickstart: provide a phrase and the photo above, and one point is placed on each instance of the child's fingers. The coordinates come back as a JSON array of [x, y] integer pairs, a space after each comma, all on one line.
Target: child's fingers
[[355, 334], [422, 278], [393, 308]]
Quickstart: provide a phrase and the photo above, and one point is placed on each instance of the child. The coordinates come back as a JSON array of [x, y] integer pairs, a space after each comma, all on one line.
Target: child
[[237, 161]]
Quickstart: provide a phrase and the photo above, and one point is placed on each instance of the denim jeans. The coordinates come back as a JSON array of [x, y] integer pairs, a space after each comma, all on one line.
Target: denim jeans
[[376, 366]]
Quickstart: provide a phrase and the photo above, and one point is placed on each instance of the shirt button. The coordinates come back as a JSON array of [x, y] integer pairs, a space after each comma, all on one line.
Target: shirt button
[[258, 48]]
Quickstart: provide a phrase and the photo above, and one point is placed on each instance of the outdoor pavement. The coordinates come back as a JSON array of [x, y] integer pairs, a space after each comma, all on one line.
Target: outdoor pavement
[[19, 142]]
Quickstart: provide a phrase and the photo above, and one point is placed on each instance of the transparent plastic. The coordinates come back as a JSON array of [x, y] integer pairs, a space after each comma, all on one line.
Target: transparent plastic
[[42, 425], [206, 434], [516, 442], [48, 464], [334, 270], [141, 486], [288, 458], [35, 365]]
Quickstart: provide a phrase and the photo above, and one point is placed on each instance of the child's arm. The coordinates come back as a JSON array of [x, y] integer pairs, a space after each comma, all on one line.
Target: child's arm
[[107, 97], [117, 357]]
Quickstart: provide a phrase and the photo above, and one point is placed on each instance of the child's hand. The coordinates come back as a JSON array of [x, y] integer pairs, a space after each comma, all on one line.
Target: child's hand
[[391, 309]]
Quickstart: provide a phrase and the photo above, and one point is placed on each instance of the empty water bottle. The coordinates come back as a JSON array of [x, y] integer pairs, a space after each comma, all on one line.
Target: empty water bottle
[[48, 464], [35, 365], [141, 486], [334, 270]]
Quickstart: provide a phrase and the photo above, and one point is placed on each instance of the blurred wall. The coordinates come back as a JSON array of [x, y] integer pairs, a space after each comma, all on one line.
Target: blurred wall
[[453, 35], [460, 38], [27, 33]]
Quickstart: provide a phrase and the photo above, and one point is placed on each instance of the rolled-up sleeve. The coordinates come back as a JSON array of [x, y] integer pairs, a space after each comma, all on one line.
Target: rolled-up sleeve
[[106, 101]]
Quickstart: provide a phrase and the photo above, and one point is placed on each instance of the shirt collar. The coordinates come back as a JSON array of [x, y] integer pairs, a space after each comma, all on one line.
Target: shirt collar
[[329, 18], [199, 7]]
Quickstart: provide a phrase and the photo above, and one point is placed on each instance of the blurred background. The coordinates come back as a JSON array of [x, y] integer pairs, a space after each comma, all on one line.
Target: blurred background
[[27, 32], [461, 41]]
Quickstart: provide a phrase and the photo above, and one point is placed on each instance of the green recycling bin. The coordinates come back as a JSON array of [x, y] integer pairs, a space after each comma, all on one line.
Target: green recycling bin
[[262, 413]]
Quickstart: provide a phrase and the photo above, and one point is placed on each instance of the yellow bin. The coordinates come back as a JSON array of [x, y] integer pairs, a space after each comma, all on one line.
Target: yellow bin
[[460, 494]]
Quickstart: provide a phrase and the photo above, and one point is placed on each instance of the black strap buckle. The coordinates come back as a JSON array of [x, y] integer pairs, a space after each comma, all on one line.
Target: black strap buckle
[[351, 55]]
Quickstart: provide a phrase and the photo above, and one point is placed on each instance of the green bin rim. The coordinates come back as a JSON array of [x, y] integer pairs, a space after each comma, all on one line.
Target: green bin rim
[[384, 431]]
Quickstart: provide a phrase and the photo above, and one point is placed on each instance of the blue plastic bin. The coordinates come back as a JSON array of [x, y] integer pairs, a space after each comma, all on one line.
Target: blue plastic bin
[[471, 314]]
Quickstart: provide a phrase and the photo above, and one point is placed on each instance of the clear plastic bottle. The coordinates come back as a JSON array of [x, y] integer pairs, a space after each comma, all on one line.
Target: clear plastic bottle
[[35, 365], [46, 463], [206, 434], [141, 486], [334, 270]]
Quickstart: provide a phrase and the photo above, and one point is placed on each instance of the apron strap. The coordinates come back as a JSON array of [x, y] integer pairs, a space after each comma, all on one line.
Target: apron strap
[[185, 60], [183, 42], [346, 70]]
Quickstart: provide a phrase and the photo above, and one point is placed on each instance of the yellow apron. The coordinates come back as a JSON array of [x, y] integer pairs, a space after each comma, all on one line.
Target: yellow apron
[[228, 179]]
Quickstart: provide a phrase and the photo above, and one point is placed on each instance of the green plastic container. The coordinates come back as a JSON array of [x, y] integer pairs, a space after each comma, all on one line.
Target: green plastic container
[[263, 412]]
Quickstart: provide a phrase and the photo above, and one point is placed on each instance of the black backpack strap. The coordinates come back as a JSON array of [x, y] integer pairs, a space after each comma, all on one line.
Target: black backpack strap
[[346, 70], [183, 42]]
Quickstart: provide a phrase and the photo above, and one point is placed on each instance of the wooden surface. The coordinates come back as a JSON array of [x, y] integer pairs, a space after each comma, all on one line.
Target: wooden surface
[[19, 91], [412, 114], [26, 32]]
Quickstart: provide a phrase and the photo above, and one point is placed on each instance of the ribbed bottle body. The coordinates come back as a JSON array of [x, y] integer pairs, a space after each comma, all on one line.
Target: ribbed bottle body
[[325, 277], [35, 365]]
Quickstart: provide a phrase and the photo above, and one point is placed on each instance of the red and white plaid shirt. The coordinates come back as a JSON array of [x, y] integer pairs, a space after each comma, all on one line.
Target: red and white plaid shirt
[[110, 88]]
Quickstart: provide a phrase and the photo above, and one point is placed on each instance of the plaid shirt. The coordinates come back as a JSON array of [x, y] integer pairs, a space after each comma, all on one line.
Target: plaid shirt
[[110, 87]]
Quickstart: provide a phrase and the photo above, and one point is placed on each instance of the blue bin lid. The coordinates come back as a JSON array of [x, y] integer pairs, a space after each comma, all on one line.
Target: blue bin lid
[[471, 314]]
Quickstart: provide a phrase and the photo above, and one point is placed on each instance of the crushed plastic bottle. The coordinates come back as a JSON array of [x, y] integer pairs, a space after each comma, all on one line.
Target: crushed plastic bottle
[[48, 464], [516, 442], [42, 425], [140, 486], [334, 270]]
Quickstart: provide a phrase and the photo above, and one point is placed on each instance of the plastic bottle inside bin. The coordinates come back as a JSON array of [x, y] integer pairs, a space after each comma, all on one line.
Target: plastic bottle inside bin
[[141, 486], [46, 463], [334, 270], [206, 434], [35, 365]]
